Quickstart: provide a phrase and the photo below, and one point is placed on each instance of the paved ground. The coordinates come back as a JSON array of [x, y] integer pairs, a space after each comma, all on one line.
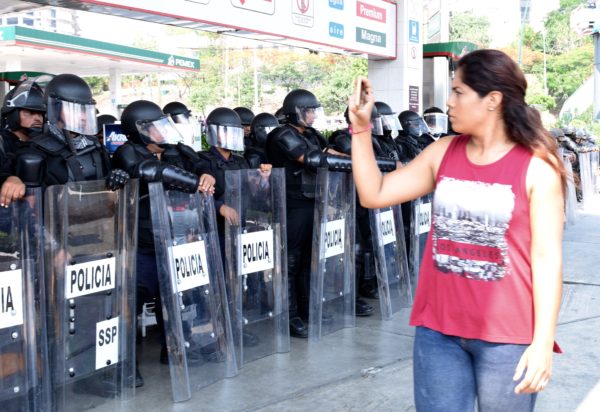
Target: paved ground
[[369, 368]]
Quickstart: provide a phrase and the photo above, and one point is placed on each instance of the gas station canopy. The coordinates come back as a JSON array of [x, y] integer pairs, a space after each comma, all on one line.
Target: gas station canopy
[[50, 52], [363, 27]]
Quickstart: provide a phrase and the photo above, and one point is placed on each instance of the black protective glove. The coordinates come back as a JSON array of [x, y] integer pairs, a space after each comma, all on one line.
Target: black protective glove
[[117, 178], [173, 177]]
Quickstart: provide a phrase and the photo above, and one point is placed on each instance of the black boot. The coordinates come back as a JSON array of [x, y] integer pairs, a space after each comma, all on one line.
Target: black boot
[[297, 327], [363, 308]]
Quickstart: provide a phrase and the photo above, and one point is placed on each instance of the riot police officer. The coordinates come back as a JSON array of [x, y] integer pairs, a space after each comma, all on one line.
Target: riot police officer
[[103, 119], [154, 152], [262, 124], [415, 128], [22, 114], [186, 123], [67, 150], [436, 121], [224, 134], [292, 146], [246, 115]]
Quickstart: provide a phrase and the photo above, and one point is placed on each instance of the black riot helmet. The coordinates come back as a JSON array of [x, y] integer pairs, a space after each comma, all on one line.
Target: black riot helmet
[[144, 123], [301, 108], [176, 109], [26, 95], [103, 119], [557, 133], [70, 104], [412, 123], [246, 115], [224, 129], [260, 127], [389, 120]]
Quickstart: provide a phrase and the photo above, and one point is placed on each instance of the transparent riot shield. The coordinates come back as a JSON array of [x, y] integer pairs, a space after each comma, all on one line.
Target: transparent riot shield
[[571, 197], [332, 292], [420, 225], [256, 263], [391, 263], [91, 239], [23, 354], [192, 287], [587, 179], [595, 160]]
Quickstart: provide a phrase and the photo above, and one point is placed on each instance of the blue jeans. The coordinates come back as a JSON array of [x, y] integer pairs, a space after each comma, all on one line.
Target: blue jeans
[[451, 372]]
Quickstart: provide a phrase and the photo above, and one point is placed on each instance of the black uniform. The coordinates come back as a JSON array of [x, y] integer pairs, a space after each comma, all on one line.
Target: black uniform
[[60, 159], [284, 146], [216, 165]]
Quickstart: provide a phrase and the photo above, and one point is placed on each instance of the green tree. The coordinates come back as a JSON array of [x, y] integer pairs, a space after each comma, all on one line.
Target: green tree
[[467, 26], [338, 85], [568, 71]]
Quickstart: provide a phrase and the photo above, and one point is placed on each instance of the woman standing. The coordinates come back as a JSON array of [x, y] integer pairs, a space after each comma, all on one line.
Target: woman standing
[[490, 282]]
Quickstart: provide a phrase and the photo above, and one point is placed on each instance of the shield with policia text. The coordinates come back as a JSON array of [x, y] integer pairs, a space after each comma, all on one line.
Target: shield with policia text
[[192, 287], [256, 278], [586, 173], [23, 355], [391, 262], [420, 224], [332, 293], [91, 238]]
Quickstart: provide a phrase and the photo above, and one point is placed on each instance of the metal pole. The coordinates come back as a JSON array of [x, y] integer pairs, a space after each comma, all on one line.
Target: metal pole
[[523, 15], [545, 73], [596, 76]]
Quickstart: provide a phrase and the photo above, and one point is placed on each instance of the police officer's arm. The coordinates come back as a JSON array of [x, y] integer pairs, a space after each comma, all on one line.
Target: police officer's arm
[[207, 181], [410, 182]]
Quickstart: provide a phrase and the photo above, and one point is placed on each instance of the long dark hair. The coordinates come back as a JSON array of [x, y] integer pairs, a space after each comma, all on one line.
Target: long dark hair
[[490, 70]]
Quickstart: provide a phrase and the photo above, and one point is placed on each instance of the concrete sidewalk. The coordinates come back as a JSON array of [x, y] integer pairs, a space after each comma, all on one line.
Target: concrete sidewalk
[[369, 368]]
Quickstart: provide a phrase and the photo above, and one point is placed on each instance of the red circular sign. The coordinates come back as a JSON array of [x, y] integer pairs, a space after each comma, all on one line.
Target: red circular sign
[[303, 5]]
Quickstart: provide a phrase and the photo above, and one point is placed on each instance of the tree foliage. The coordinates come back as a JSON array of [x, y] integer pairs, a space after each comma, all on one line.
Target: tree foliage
[[467, 26]]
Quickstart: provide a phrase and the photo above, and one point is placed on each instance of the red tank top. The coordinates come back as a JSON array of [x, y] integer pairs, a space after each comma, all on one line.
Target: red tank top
[[475, 279]]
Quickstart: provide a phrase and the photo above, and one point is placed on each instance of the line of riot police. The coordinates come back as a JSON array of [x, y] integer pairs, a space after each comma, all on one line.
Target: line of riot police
[[114, 211]]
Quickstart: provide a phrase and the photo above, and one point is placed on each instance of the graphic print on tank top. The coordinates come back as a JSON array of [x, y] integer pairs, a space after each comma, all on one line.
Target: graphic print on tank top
[[470, 220]]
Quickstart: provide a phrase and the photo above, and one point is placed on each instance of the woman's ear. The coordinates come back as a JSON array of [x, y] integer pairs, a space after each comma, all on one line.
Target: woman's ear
[[494, 99]]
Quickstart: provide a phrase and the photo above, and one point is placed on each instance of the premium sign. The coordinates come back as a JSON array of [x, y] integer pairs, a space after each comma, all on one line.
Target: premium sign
[[11, 298], [256, 251], [90, 277], [190, 266], [332, 238], [387, 229]]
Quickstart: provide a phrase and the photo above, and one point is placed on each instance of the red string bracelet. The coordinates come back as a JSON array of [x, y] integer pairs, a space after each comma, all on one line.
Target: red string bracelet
[[352, 132]]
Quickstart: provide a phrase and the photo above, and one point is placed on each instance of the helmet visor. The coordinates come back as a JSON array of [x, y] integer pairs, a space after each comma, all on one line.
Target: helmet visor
[[310, 116], [74, 117], [377, 125], [189, 128], [390, 123], [181, 118], [437, 123], [225, 137], [159, 131], [27, 95], [417, 127]]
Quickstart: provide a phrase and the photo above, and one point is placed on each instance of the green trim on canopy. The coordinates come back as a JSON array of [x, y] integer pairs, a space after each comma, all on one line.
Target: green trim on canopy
[[454, 49], [31, 37]]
